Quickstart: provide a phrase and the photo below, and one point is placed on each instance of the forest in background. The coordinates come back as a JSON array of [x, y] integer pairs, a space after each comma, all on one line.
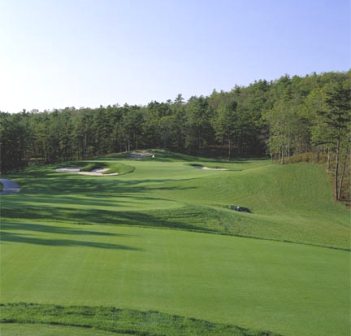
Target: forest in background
[[291, 119]]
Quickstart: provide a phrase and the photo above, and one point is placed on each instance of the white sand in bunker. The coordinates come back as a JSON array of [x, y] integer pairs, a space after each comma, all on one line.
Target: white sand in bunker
[[94, 172], [209, 168], [68, 170], [198, 166], [98, 172]]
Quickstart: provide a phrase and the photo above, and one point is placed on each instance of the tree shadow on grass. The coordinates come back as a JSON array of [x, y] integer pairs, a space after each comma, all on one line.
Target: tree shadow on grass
[[90, 217], [27, 239], [49, 228], [63, 185], [51, 189]]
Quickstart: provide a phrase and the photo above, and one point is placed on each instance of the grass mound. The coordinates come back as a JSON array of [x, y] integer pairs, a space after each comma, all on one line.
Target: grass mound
[[90, 166], [121, 168], [121, 321]]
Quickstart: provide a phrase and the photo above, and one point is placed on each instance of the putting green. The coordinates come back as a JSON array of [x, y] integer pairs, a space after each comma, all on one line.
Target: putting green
[[79, 240]]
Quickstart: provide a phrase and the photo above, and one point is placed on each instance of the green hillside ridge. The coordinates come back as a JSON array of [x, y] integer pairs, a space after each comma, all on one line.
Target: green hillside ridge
[[291, 202]]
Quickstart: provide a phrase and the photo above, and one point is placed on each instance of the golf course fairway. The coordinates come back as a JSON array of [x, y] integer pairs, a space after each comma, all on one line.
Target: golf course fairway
[[160, 246]]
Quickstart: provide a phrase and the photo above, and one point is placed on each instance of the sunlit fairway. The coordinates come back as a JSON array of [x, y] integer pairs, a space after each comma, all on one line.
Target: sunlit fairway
[[161, 237]]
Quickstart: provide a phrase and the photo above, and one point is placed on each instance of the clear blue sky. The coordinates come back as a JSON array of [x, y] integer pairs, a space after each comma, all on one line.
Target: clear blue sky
[[58, 53]]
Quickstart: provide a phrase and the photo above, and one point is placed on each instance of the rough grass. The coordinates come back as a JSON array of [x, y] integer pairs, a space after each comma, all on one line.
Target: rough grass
[[120, 321], [78, 240], [21, 329]]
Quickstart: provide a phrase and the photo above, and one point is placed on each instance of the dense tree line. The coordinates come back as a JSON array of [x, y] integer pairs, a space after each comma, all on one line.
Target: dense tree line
[[283, 118]]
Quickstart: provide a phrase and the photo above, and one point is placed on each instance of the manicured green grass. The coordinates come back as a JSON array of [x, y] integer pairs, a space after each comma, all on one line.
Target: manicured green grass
[[78, 240], [247, 282]]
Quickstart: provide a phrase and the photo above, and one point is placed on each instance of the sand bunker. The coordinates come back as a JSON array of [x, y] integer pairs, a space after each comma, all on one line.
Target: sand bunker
[[197, 166], [94, 172], [98, 172], [68, 170], [200, 166], [209, 168], [9, 187]]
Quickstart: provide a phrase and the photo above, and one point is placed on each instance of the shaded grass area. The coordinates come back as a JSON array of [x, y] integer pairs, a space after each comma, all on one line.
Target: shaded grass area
[[164, 155], [87, 167], [119, 321], [160, 155], [217, 221]]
